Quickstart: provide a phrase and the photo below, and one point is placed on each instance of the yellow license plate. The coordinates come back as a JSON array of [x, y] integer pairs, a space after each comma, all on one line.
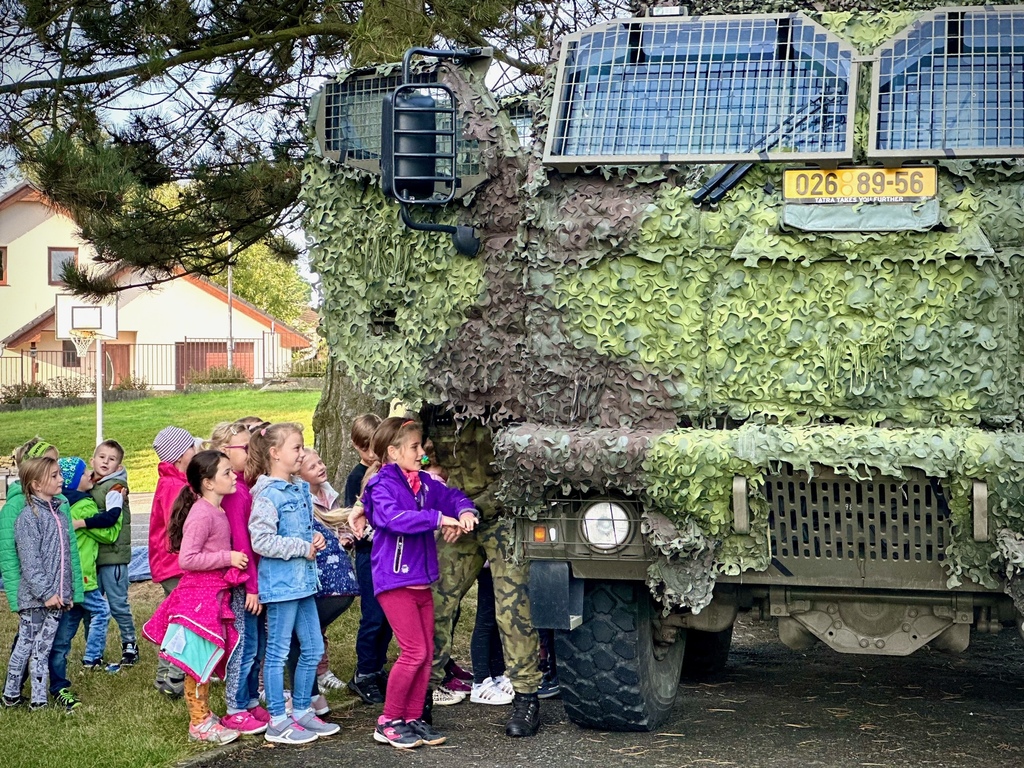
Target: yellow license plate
[[859, 185]]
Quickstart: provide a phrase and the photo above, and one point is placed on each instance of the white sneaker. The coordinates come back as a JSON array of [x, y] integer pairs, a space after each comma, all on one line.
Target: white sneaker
[[446, 698], [505, 685], [319, 706], [488, 692], [330, 681]]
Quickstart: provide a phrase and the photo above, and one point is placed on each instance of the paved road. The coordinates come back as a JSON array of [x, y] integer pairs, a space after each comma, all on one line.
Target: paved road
[[772, 707]]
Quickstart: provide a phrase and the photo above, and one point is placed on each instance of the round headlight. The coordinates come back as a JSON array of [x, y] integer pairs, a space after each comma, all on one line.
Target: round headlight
[[606, 525]]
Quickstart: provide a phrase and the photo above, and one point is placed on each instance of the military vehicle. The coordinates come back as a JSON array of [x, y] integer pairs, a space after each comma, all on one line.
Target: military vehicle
[[737, 300]]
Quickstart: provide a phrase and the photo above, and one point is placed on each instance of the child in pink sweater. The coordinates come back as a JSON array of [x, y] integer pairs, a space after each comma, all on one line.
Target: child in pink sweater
[[242, 684], [199, 531]]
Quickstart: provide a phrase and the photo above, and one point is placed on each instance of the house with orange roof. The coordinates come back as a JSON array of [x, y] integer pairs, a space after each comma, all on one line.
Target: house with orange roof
[[168, 335]]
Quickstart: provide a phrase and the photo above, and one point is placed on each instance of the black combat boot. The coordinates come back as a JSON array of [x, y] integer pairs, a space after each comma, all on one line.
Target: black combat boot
[[525, 718], [428, 708]]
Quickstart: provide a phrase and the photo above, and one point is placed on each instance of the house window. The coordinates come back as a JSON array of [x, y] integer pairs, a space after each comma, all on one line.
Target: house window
[[71, 358], [3, 265], [58, 258]]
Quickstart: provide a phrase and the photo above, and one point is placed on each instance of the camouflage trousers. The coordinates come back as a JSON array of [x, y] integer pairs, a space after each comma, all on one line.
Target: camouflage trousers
[[459, 564]]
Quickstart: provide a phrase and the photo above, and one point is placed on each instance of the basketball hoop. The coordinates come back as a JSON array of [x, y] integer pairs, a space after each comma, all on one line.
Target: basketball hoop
[[82, 340]]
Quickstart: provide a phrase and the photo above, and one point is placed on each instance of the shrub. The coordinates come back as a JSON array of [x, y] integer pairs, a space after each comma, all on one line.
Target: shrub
[[13, 394], [69, 386], [218, 375], [302, 369], [132, 383]]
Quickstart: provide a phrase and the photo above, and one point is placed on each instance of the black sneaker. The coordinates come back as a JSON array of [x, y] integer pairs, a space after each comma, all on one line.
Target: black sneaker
[[36, 706], [129, 654], [94, 665], [10, 702], [398, 734], [426, 732], [66, 700], [367, 688], [549, 688]]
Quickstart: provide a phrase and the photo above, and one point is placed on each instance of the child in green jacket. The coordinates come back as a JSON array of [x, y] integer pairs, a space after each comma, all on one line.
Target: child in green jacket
[[109, 475], [91, 529]]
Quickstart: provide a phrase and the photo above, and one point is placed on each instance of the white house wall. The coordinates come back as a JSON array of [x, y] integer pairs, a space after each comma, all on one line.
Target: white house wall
[[29, 230], [179, 310]]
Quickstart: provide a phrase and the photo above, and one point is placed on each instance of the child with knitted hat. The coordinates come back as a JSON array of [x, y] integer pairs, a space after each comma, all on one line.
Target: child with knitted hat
[[91, 529], [175, 448]]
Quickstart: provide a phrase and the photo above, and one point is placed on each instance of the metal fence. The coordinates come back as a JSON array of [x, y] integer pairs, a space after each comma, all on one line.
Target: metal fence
[[158, 366]]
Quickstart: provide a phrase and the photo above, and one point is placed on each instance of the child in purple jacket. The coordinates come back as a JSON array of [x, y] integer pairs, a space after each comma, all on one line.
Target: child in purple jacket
[[405, 507]]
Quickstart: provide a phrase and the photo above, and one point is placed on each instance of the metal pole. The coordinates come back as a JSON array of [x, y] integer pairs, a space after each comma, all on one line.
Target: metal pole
[[231, 330], [99, 390]]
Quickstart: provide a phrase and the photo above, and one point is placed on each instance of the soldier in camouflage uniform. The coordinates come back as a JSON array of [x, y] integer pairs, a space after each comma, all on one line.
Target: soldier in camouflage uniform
[[468, 458]]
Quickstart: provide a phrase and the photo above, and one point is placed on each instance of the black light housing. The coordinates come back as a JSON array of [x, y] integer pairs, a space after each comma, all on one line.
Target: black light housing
[[418, 148]]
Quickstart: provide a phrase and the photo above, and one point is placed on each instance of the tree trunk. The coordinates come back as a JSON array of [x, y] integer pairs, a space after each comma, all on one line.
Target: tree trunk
[[339, 405], [385, 30]]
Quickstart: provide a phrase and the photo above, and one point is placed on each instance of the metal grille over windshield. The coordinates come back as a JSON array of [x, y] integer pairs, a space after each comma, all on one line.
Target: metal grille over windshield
[[952, 85], [709, 89]]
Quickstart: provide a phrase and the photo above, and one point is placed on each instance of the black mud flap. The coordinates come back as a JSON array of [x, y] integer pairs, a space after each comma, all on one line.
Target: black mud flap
[[556, 596]]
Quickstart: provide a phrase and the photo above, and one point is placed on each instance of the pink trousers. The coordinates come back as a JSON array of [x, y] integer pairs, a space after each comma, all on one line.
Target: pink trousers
[[411, 615]]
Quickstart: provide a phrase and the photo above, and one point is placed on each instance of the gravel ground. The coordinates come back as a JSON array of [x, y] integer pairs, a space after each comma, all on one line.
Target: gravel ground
[[771, 707]]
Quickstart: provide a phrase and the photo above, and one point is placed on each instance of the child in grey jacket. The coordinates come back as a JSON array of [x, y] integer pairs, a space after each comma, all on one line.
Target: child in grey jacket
[[42, 536]]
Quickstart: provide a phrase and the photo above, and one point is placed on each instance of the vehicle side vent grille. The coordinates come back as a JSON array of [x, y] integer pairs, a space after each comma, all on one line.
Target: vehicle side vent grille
[[838, 518]]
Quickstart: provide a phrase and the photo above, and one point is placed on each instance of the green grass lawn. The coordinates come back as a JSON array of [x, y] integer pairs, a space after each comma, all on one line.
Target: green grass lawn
[[123, 721], [135, 423]]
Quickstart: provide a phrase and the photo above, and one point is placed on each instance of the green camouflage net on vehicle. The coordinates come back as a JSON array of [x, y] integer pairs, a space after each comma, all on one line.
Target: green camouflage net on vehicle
[[605, 308], [686, 477]]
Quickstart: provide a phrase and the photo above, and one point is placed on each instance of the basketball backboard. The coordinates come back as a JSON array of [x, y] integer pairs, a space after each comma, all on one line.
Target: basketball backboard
[[73, 313]]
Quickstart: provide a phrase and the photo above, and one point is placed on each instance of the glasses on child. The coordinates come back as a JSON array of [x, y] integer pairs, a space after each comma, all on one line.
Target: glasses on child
[[243, 447]]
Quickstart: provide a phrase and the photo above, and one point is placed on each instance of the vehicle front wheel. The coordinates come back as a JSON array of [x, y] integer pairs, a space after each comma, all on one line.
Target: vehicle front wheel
[[612, 675]]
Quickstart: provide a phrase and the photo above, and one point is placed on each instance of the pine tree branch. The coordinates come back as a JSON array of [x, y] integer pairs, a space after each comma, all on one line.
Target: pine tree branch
[[525, 67], [149, 69]]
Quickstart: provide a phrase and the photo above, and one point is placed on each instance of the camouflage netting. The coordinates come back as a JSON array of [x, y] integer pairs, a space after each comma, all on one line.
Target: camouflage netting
[[605, 300], [686, 478]]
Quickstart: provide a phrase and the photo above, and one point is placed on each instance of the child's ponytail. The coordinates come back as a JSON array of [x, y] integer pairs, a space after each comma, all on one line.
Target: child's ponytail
[[179, 512]]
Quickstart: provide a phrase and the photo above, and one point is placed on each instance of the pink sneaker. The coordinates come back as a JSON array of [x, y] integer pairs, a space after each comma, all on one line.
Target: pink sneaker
[[260, 714], [244, 723]]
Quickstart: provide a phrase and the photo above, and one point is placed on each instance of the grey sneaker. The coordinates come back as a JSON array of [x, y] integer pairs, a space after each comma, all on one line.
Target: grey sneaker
[[311, 722], [288, 732]]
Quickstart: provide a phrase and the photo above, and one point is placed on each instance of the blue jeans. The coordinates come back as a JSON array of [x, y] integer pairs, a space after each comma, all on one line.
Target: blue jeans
[[113, 581], [252, 650], [58, 661], [374, 634], [283, 618], [96, 606]]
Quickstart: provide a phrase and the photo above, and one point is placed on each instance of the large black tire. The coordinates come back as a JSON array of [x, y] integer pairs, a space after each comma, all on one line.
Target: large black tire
[[706, 653], [607, 670]]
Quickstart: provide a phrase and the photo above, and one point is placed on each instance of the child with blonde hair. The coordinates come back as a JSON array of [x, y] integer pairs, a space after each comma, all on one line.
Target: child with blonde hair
[[337, 579], [42, 538], [281, 529], [406, 506], [10, 567]]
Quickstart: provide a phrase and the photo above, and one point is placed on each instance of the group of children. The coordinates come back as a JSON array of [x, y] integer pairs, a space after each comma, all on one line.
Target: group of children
[[65, 545], [251, 545]]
